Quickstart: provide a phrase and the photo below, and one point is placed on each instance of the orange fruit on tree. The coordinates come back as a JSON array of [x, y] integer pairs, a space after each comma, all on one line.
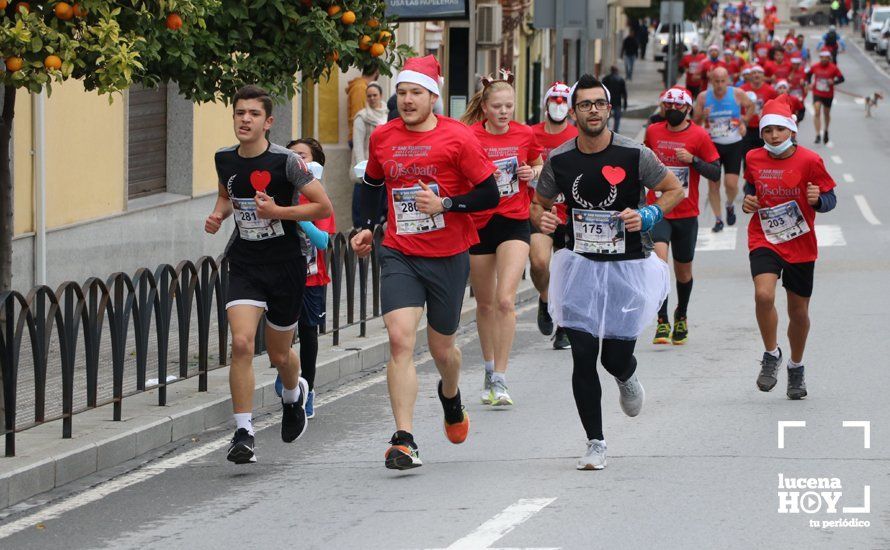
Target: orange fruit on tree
[[377, 49], [373, 23], [53, 62], [334, 10], [14, 64], [79, 11], [64, 11], [364, 43], [23, 7], [348, 18], [174, 21], [3, 4], [385, 37], [333, 57]]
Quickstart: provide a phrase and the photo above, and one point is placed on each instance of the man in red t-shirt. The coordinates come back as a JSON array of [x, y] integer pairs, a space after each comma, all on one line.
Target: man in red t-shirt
[[686, 150], [797, 80], [710, 63], [760, 92], [795, 103], [787, 185], [434, 173], [778, 68], [824, 75], [691, 64], [732, 63], [550, 134], [761, 49]]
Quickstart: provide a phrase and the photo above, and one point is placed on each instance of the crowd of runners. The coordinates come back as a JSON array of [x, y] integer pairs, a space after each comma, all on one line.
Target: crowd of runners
[[477, 200]]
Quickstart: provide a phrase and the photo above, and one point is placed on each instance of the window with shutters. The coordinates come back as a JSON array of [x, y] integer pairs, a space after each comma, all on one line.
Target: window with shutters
[[147, 155]]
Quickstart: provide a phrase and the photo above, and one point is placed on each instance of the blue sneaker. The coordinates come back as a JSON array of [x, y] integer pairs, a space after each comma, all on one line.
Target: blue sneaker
[[310, 405], [279, 385]]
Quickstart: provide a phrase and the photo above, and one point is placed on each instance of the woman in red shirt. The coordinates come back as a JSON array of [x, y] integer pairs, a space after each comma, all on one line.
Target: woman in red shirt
[[498, 260]]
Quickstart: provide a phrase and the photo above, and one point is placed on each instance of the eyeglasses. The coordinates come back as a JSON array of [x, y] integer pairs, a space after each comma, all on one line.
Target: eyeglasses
[[586, 106]]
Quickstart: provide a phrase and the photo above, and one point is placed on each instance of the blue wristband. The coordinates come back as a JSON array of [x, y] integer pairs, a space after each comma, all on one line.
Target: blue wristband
[[650, 215]]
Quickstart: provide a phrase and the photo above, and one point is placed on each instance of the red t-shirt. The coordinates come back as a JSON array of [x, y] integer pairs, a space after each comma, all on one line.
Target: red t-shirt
[[823, 79], [796, 81], [777, 71], [316, 270], [794, 102], [450, 156], [780, 181], [761, 50], [665, 143], [706, 67], [549, 142], [508, 152], [692, 64], [734, 67], [764, 94]]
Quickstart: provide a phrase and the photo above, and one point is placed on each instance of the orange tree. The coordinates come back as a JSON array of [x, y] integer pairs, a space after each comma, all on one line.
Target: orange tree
[[208, 47]]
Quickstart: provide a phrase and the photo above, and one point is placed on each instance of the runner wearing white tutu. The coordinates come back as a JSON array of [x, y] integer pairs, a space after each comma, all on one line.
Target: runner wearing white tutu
[[605, 285]]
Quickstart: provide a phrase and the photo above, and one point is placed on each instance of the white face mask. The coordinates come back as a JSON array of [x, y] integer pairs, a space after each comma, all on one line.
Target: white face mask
[[316, 169], [777, 150], [558, 111]]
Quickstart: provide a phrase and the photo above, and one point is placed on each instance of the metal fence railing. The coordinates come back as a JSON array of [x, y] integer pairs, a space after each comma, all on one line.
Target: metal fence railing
[[93, 344]]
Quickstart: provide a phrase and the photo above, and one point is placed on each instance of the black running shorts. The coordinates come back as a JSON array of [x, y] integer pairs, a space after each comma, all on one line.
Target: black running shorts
[[681, 234], [277, 288], [558, 236], [796, 278], [827, 101], [500, 230], [731, 156], [412, 281]]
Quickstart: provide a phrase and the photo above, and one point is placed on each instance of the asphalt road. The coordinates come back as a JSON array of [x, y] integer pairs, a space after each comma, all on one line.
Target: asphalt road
[[699, 468]]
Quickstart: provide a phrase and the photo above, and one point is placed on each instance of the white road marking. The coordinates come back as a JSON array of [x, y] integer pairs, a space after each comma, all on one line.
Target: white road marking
[[849, 178], [709, 241], [830, 235], [151, 470], [836, 159], [866, 210], [498, 526]]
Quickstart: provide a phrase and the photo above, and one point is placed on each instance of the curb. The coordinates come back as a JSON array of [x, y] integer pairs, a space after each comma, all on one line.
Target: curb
[[99, 443]]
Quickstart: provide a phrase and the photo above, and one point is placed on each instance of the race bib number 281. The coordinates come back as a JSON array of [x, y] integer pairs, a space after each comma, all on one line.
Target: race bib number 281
[[250, 226]]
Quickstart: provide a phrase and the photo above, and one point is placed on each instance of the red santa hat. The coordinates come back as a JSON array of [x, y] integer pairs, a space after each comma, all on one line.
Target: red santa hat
[[756, 69], [782, 83], [824, 52], [677, 95], [559, 90], [777, 112], [423, 71]]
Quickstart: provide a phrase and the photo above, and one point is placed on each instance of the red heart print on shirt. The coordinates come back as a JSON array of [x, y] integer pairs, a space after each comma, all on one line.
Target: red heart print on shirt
[[614, 174], [260, 179]]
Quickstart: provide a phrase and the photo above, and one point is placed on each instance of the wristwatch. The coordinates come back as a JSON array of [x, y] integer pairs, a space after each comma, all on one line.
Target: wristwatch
[[447, 203]]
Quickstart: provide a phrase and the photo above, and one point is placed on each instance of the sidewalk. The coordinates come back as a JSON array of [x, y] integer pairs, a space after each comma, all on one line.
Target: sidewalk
[[44, 460]]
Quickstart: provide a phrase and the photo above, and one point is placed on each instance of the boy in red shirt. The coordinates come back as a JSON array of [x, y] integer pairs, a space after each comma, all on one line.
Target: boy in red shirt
[[787, 185]]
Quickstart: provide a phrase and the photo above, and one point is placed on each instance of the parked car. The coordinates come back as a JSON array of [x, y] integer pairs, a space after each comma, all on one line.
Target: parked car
[[883, 38], [811, 12], [689, 33], [875, 24]]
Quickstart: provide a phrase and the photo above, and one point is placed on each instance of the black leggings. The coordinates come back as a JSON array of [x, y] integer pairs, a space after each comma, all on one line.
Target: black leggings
[[618, 359], [308, 335]]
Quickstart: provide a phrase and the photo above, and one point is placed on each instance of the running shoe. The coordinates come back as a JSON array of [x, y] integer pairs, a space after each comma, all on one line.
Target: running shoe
[[797, 387], [718, 227], [402, 453], [766, 380], [293, 415], [499, 395], [561, 339], [681, 332], [595, 457], [545, 322], [632, 395], [818, 139], [310, 405], [241, 448], [662, 332], [457, 421], [486, 389], [825, 138], [730, 214]]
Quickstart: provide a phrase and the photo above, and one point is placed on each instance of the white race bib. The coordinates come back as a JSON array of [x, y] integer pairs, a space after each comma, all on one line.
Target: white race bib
[[783, 223], [823, 85], [508, 181], [311, 258], [682, 173], [597, 232], [721, 127], [410, 220], [250, 226]]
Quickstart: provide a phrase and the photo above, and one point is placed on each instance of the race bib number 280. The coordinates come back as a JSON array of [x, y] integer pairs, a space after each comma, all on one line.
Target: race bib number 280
[[410, 220], [597, 232]]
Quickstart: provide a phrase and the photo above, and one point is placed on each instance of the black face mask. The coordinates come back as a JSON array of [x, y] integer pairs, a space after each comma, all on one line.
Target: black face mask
[[674, 117]]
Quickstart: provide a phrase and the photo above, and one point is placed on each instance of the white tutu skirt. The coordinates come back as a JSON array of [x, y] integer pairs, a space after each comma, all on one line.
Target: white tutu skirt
[[615, 300]]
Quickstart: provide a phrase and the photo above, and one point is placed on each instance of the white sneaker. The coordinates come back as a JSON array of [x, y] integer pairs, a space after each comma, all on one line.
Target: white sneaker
[[595, 457], [632, 395], [486, 389], [499, 396]]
